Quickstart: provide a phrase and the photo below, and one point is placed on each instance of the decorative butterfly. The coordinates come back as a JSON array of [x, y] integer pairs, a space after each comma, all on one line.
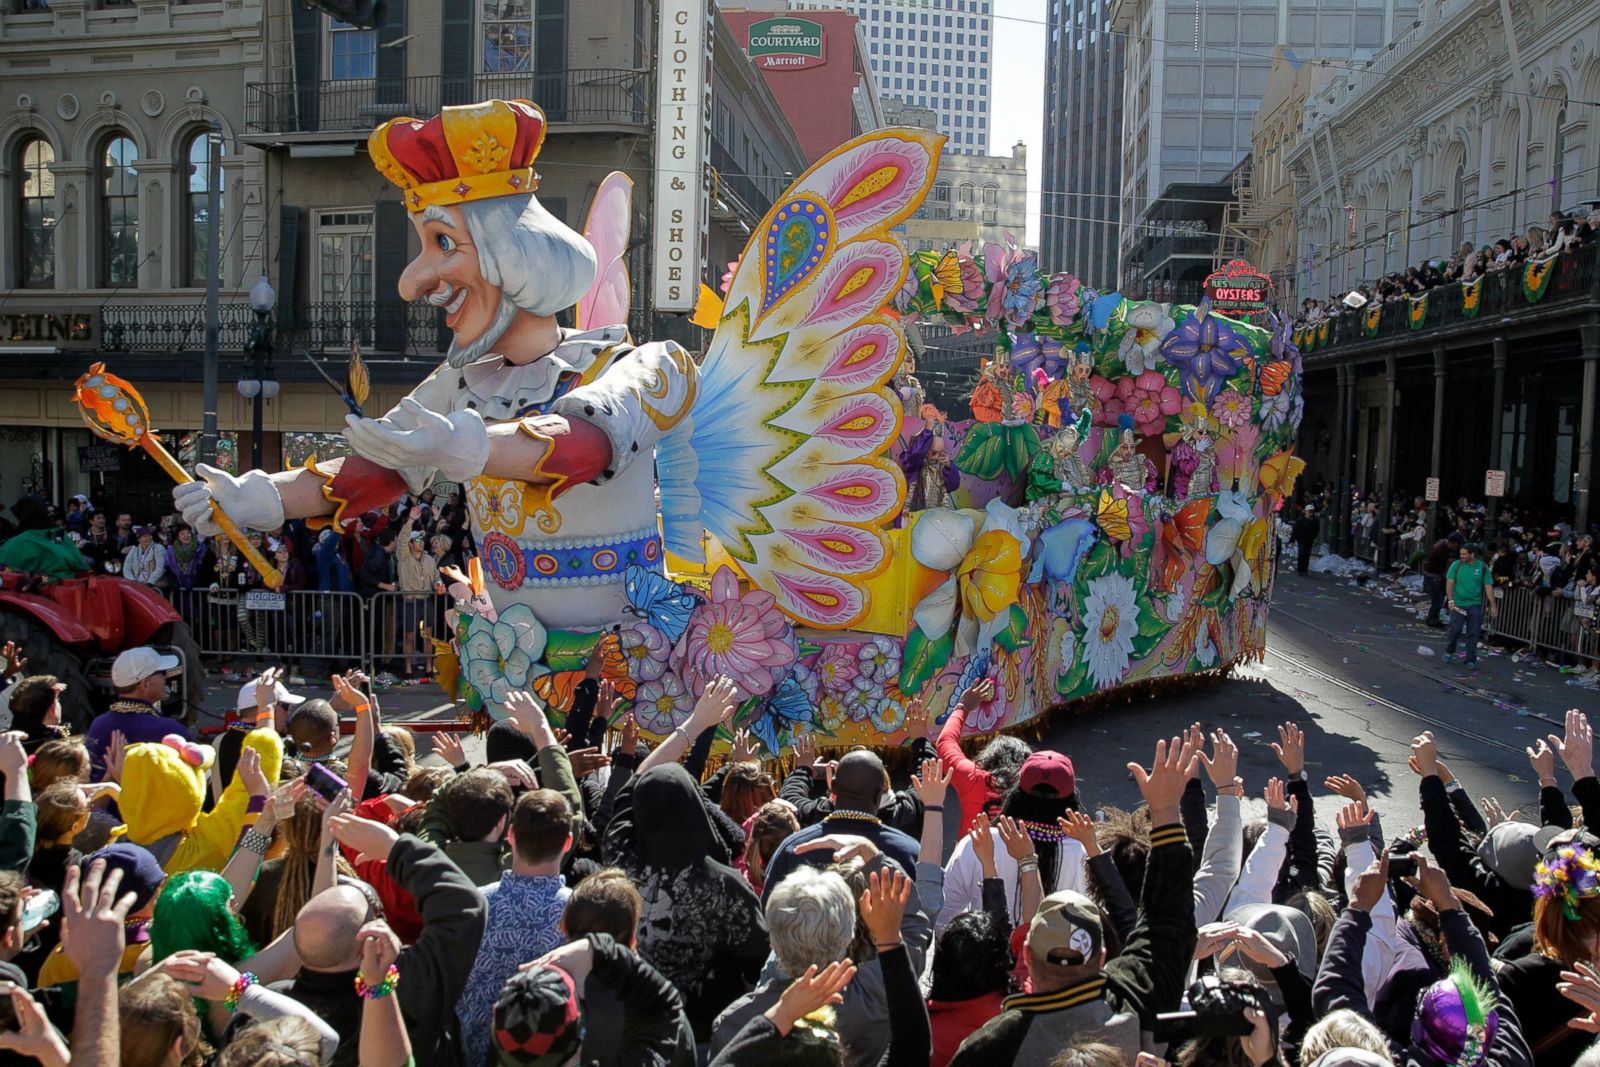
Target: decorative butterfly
[[1188, 529], [358, 384], [786, 708], [946, 276], [1279, 471], [658, 600], [1273, 376], [1111, 512]]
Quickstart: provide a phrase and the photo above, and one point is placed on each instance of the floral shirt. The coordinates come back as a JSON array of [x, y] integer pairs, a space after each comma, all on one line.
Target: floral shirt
[[524, 923]]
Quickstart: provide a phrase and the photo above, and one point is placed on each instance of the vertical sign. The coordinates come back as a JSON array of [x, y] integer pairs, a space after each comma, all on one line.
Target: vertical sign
[[1432, 494], [683, 132], [1494, 483]]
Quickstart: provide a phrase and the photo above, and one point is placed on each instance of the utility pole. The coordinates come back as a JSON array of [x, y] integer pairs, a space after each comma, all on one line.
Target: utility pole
[[208, 423]]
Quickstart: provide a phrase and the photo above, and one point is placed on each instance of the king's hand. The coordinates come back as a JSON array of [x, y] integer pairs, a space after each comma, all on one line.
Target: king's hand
[[250, 500], [412, 436]]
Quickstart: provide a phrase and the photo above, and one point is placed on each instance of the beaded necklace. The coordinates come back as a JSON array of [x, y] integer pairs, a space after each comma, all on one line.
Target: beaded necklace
[[859, 816], [1043, 831]]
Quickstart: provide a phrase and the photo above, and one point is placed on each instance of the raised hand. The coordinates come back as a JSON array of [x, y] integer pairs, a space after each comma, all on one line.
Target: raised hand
[[1015, 837], [1253, 945], [1493, 813], [1213, 938], [449, 748], [379, 948], [883, 905], [805, 751], [1577, 747], [743, 749], [526, 712], [1434, 884], [932, 783], [1291, 748], [1371, 884], [1580, 984], [842, 847], [13, 757], [606, 702], [1079, 827], [1543, 760], [812, 990], [585, 761], [369, 839], [1345, 786], [715, 705], [116, 752], [33, 1036], [1278, 798], [983, 845], [1425, 754], [1163, 784], [917, 719], [250, 773], [16, 662], [518, 772], [92, 917], [978, 694], [630, 735], [1222, 766], [1354, 815]]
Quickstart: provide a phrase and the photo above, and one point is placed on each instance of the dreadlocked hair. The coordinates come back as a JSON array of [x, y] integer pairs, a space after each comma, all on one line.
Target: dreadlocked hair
[[1125, 836], [301, 834]]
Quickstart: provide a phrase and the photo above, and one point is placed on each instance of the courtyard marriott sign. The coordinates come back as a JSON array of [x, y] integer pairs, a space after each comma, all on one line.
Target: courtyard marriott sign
[[786, 44]]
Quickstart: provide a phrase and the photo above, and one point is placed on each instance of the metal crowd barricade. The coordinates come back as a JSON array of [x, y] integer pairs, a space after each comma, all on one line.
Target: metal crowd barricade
[[1554, 622], [303, 625], [392, 617]]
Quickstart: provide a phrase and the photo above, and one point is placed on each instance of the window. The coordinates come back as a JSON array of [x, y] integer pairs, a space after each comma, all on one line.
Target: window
[[507, 35], [352, 52], [119, 213], [197, 209], [991, 195], [37, 215], [344, 258]]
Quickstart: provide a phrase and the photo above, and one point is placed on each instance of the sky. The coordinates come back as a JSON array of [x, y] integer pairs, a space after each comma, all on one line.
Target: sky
[[1016, 111]]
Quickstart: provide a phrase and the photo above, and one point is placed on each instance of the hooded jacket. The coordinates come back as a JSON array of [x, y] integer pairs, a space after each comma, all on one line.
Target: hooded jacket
[[162, 798], [702, 925]]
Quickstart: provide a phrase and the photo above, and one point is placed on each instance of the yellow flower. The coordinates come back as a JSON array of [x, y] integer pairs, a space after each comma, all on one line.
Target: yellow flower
[[990, 575]]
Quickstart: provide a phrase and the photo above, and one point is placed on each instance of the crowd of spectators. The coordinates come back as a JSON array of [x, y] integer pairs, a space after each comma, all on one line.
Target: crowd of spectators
[[582, 897], [1563, 233]]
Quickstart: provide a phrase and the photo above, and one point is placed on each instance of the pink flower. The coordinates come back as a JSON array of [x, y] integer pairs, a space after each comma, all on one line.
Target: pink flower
[[1108, 405], [1149, 399], [972, 286], [743, 637], [837, 668], [1231, 408], [1062, 298]]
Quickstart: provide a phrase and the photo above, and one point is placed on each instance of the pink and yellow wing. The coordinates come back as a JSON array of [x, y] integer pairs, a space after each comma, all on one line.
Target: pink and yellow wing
[[607, 228]]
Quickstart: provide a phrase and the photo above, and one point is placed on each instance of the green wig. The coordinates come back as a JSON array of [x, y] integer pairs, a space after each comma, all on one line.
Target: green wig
[[194, 912]]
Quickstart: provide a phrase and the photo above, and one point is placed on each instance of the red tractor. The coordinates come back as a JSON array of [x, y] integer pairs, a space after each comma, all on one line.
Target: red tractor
[[74, 627]]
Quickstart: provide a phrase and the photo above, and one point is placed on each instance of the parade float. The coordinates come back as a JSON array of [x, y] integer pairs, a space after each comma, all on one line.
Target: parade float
[[1100, 522]]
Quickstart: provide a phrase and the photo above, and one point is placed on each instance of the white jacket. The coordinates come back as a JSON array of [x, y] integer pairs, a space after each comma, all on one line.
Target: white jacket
[[963, 878]]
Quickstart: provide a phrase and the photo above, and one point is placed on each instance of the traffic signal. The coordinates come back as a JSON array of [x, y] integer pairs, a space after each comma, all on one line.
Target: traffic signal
[[367, 14]]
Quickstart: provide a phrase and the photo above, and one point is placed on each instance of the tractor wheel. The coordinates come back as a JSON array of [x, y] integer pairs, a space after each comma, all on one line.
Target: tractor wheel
[[48, 655], [177, 635]]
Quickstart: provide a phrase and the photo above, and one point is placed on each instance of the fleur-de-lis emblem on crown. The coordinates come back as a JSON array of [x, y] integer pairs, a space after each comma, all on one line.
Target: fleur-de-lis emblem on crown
[[486, 153]]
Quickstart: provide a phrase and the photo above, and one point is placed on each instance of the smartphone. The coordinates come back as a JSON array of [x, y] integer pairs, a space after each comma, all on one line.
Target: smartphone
[[324, 782], [39, 907], [1402, 866]]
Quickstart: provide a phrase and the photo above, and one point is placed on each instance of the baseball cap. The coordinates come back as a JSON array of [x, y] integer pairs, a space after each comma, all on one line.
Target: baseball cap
[[137, 664], [141, 873], [537, 1021], [1047, 773], [1067, 925], [281, 695], [1512, 850]]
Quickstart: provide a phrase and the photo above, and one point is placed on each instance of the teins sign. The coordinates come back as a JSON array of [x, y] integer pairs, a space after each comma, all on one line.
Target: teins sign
[[786, 44], [1238, 289]]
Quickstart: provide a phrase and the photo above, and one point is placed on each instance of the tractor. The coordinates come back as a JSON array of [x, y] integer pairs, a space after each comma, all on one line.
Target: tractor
[[73, 628]]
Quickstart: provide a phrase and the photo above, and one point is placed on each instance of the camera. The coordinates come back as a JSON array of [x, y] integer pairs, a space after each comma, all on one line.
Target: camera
[[1216, 1009], [1402, 866]]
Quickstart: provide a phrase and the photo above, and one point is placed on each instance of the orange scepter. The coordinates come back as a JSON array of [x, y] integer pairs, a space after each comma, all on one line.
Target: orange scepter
[[114, 410]]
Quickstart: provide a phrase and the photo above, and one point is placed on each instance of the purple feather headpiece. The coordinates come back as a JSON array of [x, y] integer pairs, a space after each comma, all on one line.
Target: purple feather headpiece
[[1570, 873]]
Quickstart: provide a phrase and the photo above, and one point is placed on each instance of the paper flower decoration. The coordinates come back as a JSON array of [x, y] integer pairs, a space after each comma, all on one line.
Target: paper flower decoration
[[1206, 351], [1148, 326], [503, 656], [1111, 621], [739, 635]]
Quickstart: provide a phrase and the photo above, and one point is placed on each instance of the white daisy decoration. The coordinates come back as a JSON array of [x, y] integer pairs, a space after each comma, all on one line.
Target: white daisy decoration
[[1111, 621]]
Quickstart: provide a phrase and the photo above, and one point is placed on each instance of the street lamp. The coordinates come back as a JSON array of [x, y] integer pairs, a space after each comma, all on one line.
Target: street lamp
[[261, 387]]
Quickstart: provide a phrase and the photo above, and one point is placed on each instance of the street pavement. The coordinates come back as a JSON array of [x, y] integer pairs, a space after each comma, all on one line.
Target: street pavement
[[1343, 662]]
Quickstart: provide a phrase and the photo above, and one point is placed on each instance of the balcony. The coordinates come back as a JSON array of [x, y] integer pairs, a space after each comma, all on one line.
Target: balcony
[[592, 96], [387, 331], [731, 178], [1175, 246], [1575, 279]]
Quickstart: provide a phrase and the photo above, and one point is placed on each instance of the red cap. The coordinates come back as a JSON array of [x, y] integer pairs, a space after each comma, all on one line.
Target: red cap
[[1048, 773]]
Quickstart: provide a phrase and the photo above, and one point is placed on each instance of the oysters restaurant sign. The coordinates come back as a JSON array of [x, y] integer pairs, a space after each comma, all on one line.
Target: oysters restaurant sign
[[1239, 290], [786, 44]]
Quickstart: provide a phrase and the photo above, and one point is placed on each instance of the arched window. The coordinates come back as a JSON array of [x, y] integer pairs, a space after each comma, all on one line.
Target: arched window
[[1458, 219], [36, 214], [197, 209], [119, 212]]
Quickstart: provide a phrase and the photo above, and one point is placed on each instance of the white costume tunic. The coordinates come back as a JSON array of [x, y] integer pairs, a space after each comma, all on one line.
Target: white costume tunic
[[563, 549]]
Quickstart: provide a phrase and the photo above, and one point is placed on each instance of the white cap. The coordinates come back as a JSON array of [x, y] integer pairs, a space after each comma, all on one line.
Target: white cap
[[137, 664], [247, 695]]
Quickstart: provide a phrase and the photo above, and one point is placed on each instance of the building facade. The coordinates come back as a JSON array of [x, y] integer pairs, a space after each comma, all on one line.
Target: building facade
[[817, 67], [934, 54], [1468, 130], [1081, 175], [975, 199], [105, 178], [1194, 77]]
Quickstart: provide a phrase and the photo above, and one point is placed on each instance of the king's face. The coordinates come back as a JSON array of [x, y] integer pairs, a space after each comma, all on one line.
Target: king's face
[[446, 274]]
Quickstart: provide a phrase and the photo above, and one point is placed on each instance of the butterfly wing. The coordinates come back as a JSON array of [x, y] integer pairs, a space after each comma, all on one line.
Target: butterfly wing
[[606, 302], [1112, 514], [357, 382], [1273, 375], [665, 604]]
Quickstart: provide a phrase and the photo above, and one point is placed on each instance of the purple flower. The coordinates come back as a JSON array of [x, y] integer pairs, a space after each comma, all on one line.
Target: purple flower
[[1205, 350], [1030, 352]]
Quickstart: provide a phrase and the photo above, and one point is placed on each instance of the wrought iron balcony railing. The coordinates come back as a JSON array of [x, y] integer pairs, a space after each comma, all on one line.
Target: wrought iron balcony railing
[[1574, 276], [393, 329], [590, 95]]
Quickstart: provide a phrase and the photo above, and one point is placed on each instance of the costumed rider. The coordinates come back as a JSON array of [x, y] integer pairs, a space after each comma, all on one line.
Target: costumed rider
[[1057, 468], [551, 432], [1194, 457], [1127, 466]]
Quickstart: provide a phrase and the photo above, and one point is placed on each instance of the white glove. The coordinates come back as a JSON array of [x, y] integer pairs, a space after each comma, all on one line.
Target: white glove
[[251, 500], [457, 445]]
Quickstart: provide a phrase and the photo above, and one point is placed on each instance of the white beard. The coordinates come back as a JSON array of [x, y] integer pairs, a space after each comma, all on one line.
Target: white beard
[[480, 346]]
